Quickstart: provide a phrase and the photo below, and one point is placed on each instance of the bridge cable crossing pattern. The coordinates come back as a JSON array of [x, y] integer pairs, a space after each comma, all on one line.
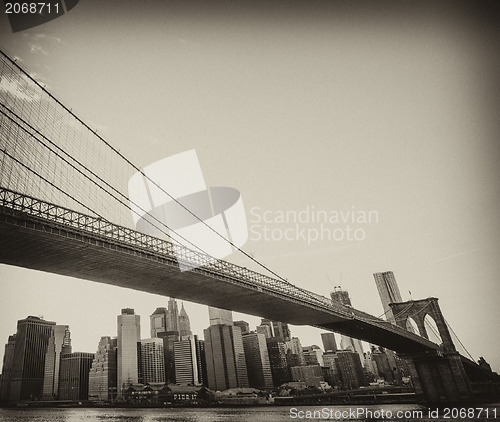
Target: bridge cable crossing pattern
[[23, 95]]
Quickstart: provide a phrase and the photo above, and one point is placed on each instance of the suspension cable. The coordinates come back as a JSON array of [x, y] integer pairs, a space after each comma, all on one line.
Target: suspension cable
[[90, 179], [94, 132], [449, 326], [309, 294], [52, 184]]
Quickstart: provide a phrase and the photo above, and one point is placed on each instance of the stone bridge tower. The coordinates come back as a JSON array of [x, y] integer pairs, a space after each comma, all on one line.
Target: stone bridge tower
[[439, 377], [417, 310]]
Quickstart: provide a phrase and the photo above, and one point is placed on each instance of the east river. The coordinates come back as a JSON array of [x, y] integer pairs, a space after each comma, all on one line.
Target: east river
[[395, 413]]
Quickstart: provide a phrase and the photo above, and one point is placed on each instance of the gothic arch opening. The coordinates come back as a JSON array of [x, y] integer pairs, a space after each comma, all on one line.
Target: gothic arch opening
[[411, 326], [432, 329]]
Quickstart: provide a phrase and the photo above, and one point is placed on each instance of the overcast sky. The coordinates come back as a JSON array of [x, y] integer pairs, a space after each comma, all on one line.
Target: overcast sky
[[389, 107]]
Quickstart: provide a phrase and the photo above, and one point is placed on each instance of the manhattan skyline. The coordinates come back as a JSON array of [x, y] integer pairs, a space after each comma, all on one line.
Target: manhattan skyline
[[359, 108]]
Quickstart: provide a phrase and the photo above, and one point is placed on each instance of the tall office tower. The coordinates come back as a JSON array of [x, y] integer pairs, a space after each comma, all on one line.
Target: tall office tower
[[331, 369], [384, 369], [102, 375], [268, 323], [294, 353], [158, 321], [8, 359], [370, 364], [312, 375], [277, 329], [32, 339], [329, 343], [281, 330], [74, 376], [388, 291], [169, 338], [278, 361], [173, 315], [220, 316], [202, 361], [257, 359], [128, 343], [342, 296], [184, 324], [188, 361], [351, 371], [244, 326], [346, 342], [354, 345], [59, 343], [331, 375], [152, 360], [313, 355], [265, 329], [329, 359], [225, 357]]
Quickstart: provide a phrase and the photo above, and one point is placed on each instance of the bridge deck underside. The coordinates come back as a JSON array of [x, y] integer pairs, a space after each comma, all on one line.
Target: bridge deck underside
[[33, 244]]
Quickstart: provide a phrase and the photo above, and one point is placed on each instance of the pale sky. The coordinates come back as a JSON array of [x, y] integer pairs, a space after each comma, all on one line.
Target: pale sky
[[373, 106]]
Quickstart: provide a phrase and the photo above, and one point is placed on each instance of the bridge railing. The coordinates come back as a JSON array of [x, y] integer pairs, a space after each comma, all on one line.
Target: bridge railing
[[105, 230]]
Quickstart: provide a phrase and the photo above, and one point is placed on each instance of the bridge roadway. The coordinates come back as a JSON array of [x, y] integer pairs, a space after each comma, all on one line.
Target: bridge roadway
[[42, 236]]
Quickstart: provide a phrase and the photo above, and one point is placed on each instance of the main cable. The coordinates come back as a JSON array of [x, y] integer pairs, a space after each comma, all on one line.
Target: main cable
[[93, 181], [94, 132]]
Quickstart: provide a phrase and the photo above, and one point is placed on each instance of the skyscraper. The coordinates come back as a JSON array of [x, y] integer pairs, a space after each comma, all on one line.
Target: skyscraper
[[28, 365], [128, 341], [152, 360], [331, 369], [264, 322], [169, 338], [244, 326], [158, 321], [329, 342], [313, 355], [370, 364], [173, 315], [346, 342], [220, 316], [341, 296], [312, 375], [383, 366], [281, 330], [8, 359], [169, 325], [354, 345], [184, 324], [59, 343], [294, 353], [351, 371], [278, 361], [265, 329], [188, 361], [257, 360], [102, 375], [201, 360], [74, 376], [276, 329], [225, 356], [388, 291]]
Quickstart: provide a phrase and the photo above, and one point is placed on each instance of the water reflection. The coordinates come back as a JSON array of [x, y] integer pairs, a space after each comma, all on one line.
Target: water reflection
[[252, 414]]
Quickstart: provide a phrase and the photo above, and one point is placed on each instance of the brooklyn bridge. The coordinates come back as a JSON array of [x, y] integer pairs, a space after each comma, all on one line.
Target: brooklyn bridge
[[64, 209]]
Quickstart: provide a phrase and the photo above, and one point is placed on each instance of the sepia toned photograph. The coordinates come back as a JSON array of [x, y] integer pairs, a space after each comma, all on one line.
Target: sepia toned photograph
[[249, 210]]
